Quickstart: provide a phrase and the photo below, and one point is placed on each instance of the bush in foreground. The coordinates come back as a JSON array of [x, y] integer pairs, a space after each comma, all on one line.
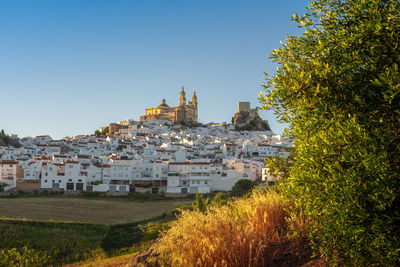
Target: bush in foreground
[[338, 86], [245, 232]]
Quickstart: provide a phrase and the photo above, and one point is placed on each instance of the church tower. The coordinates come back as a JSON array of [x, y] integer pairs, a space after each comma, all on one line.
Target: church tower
[[194, 99], [194, 103], [182, 99], [186, 112]]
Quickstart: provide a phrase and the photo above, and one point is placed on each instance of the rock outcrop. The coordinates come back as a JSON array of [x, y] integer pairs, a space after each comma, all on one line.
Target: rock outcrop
[[6, 140], [243, 120]]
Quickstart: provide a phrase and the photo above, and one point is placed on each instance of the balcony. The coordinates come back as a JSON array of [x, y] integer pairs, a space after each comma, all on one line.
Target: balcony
[[178, 174], [200, 174], [9, 178]]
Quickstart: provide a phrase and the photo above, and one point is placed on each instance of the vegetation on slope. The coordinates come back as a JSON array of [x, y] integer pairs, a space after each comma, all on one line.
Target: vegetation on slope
[[102, 133], [245, 232], [27, 257], [56, 244], [61, 242], [6, 140], [338, 86]]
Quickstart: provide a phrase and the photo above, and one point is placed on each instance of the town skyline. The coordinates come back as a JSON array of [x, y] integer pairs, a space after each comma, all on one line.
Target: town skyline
[[71, 67]]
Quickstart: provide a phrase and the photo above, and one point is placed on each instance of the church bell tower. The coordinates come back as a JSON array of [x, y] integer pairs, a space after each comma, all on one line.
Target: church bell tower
[[182, 99], [194, 103]]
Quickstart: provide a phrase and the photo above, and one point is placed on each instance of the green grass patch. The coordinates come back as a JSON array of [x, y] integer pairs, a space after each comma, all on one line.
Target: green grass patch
[[62, 242], [65, 243]]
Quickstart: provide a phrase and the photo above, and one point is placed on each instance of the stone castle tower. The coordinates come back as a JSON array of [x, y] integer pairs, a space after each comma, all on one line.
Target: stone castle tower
[[184, 113], [247, 118]]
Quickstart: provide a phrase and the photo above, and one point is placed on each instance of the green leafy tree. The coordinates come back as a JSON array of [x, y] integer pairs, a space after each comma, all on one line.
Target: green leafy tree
[[242, 187], [338, 87], [102, 133]]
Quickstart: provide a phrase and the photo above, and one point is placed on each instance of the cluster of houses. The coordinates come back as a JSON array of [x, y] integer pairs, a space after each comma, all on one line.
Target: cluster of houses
[[146, 156]]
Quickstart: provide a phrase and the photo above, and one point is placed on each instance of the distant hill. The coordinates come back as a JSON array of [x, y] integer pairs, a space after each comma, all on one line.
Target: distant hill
[[6, 140]]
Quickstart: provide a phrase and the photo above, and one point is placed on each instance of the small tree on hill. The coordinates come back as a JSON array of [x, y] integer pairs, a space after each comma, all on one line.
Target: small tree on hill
[[242, 187]]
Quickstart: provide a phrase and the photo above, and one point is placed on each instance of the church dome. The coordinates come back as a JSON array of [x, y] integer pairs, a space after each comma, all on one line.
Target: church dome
[[163, 104]]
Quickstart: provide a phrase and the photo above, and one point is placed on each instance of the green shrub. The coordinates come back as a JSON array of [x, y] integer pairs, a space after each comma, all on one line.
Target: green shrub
[[219, 200], [338, 85], [62, 242], [133, 237], [25, 257], [242, 187], [2, 185], [200, 204], [56, 192]]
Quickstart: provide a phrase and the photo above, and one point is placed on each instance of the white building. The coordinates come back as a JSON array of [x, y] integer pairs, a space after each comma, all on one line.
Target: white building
[[10, 172], [189, 177]]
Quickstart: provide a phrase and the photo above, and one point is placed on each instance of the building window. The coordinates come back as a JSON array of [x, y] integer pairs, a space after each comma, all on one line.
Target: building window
[[205, 182], [45, 181]]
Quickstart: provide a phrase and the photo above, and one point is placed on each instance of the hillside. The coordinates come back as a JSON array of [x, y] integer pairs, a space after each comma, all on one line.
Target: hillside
[[249, 231], [6, 140]]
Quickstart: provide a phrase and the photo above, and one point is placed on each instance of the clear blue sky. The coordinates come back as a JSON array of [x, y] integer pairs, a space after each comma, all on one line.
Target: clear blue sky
[[68, 67]]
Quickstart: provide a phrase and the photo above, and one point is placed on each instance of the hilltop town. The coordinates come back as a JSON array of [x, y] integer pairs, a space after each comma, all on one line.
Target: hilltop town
[[166, 151]]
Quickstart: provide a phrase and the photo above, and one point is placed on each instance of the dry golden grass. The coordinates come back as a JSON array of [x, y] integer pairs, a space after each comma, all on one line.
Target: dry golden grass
[[99, 211], [246, 232]]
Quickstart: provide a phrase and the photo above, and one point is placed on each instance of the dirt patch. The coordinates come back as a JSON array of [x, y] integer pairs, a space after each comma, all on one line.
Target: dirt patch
[[101, 211]]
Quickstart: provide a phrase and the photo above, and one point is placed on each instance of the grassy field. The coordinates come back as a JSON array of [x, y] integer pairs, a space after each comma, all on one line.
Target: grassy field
[[67, 243], [74, 229], [98, 211]]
